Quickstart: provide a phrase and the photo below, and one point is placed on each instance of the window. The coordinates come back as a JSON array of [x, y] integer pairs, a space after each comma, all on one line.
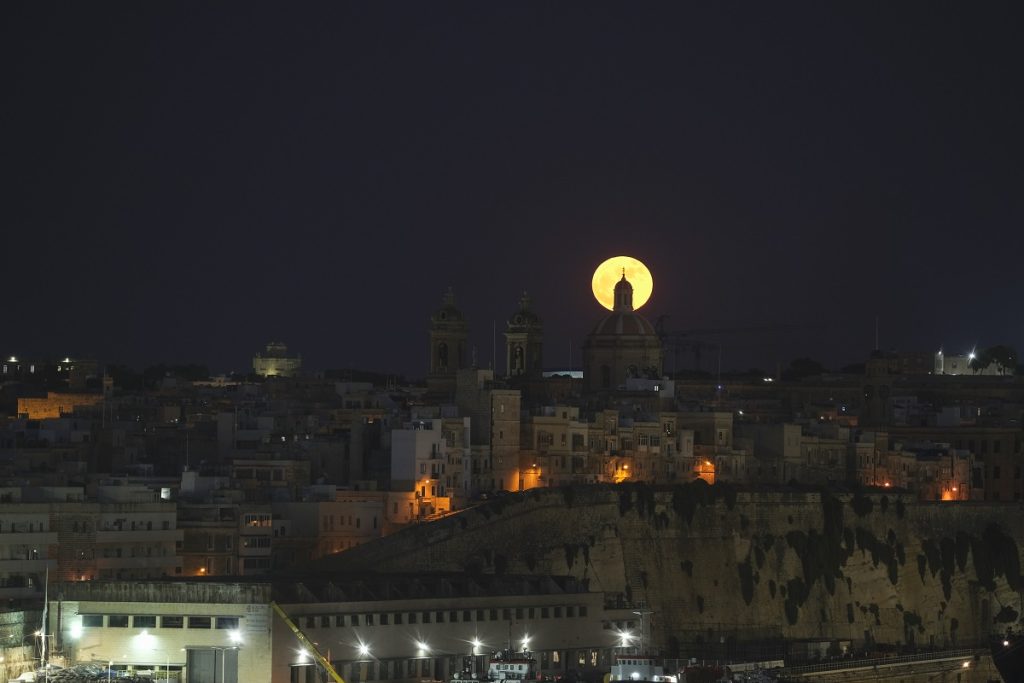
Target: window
[[172, 622], [439, 617], [117, 621], [92, 620], [398, 618], [583, 610], [494, 615], [506, 614], [995, 472], [143, 622], [519, 613], [453, 616], [544, 614], [384, 619], [369, 620], [412, 617], [199, 622], [227, 622], [426, 617], [479, 615]]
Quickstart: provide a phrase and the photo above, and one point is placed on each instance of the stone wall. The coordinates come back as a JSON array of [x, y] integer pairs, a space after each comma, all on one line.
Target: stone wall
[[715, 563]]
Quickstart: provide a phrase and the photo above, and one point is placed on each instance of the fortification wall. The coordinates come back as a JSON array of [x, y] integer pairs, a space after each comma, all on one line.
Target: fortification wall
[[714, 563]]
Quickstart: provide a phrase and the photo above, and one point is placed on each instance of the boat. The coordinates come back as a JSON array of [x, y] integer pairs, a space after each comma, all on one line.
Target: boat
[[504, 665], [638, 668], [1008, 656]]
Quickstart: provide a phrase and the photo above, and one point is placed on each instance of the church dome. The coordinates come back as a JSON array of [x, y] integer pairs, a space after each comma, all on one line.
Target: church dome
[[624, 323], [524, 316], [623, 345]]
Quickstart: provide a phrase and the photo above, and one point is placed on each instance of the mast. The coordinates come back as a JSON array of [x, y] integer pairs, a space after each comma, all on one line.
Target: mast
[[42, 627]]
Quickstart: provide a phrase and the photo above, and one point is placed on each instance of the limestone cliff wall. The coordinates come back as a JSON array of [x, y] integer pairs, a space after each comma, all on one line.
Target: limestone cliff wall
[[712, 561]]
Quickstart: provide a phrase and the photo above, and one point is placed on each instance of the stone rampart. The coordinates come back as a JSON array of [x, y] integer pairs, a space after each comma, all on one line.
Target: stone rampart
[[714, 562]]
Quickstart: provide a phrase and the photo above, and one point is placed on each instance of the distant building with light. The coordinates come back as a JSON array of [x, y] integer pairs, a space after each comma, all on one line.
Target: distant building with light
[[952, 364], [276, 362]]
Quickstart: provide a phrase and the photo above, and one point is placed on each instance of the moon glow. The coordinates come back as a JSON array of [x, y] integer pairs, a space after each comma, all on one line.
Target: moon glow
[[610, 272]]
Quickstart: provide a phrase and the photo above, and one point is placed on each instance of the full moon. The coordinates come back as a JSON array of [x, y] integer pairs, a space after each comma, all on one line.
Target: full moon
[[610, 272]]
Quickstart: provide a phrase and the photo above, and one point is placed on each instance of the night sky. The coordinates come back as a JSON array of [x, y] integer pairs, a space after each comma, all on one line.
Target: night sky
[[188, 181]]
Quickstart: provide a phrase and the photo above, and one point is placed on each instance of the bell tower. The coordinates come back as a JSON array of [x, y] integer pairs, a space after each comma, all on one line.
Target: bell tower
[[524, 342], [448, 334]]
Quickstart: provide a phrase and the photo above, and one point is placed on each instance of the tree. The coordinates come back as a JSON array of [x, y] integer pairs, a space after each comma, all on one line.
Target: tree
[[1004, 357]]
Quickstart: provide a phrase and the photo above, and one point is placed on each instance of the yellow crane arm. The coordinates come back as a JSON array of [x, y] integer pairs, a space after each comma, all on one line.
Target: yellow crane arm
[[306, 643]]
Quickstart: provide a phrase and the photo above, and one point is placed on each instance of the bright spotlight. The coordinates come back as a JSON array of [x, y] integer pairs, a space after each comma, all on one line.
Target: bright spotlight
[[526, 642], [364, 650], [235, 636]]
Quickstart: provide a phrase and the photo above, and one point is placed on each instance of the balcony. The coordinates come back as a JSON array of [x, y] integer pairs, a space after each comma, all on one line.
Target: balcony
[[34, 539], [138, 562], [140, 536], [16, 566]]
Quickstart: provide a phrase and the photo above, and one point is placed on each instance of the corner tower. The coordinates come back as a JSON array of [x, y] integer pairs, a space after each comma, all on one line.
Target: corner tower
[[524, 342]]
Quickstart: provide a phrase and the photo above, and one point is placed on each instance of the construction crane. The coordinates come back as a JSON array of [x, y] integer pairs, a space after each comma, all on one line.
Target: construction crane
[[308, 644], [683, 340]]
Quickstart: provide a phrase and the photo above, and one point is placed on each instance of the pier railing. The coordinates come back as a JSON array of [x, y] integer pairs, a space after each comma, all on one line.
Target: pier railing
[[966, 654]]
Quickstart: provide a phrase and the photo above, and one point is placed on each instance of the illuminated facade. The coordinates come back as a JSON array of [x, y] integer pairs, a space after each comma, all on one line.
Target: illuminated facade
[[276, 362]]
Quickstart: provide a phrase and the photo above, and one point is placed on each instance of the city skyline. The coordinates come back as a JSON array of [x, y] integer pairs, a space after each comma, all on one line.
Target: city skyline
[[188, 183]]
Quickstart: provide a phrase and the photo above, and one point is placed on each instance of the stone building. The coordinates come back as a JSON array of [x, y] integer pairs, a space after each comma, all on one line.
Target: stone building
[[623, 345], [371, 627], [524, 342], [449, 332], [276, 362]]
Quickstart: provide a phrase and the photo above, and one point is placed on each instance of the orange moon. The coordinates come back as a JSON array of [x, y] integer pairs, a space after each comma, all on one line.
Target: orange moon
[[610, 272]]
